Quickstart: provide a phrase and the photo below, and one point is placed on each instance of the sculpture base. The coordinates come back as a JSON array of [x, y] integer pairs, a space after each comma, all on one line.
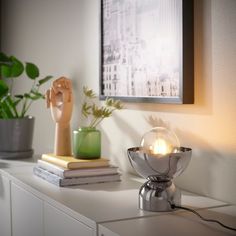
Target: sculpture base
[[158, 196]]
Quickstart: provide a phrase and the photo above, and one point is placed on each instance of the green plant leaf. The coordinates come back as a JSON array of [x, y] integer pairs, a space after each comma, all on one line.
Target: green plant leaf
[[4, 58], [109, 102], [106, 112], [13, 69], [11, 105], [3, 88], [19, 96], [89, 92], [5, 71], [27, 95], [4, 114], [17, 67], [33, 96], [1, 113], [36, 93], [36, 97], [117, 104], [32, 70], [16, 102], [44, 80], [86, 109], [97, 112], [6, 108]]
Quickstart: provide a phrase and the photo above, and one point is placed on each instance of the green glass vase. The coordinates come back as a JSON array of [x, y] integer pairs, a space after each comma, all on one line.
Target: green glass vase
[[87, 143]]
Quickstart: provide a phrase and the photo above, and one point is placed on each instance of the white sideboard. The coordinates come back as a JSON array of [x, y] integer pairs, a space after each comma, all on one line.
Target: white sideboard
[[178, 223], [26, 212], [65, 225], [5, 206], [30, 206]]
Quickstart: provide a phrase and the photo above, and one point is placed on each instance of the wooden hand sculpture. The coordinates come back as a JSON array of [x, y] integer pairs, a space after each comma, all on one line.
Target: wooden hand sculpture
[[60, 100]]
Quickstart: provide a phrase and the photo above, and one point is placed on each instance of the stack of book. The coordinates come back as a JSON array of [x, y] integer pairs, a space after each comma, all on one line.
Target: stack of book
[[67, 171]]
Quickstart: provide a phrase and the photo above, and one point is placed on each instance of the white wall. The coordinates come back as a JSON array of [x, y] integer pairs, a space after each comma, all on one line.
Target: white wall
[[62, 37]]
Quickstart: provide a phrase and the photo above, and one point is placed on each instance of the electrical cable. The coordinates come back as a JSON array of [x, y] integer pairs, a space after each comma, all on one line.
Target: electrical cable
[[173, 206]]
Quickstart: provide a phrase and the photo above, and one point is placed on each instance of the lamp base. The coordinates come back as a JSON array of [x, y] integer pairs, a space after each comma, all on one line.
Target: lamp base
[[158, 195]]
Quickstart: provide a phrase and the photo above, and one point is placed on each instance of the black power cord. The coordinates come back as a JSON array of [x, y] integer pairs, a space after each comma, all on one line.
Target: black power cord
[[173, 206]]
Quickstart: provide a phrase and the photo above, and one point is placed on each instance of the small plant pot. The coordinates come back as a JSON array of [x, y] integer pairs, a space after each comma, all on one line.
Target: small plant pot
[[87, 143], [16, 136]]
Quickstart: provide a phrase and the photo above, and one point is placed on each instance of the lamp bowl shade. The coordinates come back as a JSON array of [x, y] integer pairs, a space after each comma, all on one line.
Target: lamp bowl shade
[[159, 166]]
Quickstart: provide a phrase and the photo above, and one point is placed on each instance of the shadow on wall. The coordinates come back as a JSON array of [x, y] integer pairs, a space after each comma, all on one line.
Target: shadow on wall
[[131, 137], [210, 172], [120, 158], [154, 121]]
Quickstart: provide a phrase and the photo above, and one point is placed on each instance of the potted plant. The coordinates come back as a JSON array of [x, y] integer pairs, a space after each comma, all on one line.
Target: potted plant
[[16, 126], [87, 139]]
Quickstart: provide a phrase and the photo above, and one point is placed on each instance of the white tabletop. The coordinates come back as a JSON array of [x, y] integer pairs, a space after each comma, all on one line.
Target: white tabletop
[[95, 203], [175, 223]]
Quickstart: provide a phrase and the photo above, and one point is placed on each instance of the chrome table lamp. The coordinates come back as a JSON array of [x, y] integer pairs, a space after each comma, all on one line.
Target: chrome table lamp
[[159, 159]]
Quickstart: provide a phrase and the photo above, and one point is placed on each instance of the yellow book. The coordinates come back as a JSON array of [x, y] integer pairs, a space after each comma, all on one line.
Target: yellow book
[[70, 162]]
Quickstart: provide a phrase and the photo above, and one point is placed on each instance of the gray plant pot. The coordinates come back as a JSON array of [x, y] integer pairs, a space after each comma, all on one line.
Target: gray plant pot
[[16, 136]]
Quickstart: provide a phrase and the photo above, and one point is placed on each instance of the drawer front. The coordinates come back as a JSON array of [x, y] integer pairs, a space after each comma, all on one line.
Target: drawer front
[[5, 207], [57, 223], [27, 213]]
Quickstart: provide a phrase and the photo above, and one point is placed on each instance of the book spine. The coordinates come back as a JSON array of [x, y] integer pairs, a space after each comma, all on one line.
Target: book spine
[[90, 180], [73, 163], [47, 176], [50, 168], [89, 172], [54, 179], [55, 161]]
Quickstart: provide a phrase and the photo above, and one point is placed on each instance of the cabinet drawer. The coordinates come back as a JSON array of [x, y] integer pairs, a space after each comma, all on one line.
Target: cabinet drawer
[[57, 223], [5, 207], [27, 213]]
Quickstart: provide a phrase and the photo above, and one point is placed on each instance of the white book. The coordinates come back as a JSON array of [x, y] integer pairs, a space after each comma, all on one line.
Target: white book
[[55, 179], [68, 173]]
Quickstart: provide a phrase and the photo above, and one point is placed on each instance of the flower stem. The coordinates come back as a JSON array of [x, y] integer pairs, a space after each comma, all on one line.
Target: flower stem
[[93, 122], [98, 122]]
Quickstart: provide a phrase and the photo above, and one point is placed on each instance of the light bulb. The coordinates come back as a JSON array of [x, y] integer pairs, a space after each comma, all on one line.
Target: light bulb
[[160, 147], [159, 141]]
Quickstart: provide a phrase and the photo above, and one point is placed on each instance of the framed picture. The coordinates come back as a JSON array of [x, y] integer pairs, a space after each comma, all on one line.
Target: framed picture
[[147, 51]]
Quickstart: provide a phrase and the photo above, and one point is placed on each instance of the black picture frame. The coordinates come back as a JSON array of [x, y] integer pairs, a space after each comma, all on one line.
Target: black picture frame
[[118, 56]]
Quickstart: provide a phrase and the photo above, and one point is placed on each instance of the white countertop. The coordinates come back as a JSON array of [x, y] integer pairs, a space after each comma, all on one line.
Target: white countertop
[[97, 203], [176, 223]]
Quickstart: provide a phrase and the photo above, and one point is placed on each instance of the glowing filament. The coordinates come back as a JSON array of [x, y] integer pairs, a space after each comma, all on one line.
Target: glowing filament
[[159, 147]]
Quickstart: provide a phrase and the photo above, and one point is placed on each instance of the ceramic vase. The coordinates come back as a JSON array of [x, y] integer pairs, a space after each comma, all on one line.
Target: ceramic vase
[[16, 136]]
